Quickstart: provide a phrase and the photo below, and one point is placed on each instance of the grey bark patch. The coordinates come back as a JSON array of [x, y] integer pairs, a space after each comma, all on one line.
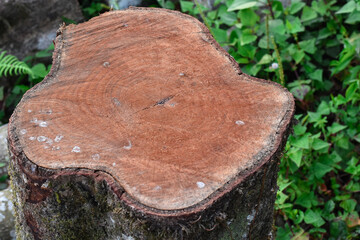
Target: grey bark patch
[[7, 221]]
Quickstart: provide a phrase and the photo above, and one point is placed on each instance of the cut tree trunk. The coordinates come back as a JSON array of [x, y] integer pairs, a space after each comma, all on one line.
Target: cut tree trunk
[[146, 128]]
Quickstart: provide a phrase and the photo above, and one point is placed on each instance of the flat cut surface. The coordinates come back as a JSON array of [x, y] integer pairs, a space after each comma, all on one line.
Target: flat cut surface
[[146, 96]]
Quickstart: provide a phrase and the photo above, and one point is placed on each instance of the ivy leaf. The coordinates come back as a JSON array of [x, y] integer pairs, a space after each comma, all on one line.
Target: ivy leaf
[[298, 56], [277, 27], [294, 26], [266, 59], [323, 108], [220, 35], [296, 157], [308, 14], [241, 4], [348, 205], [229, 18], [317, 75], [247, 38], [308, 46], [306, 200], [248, 17], [353, 18], [319, 144], [347, 8], [321, 169], [296, 6], [301, 142], [299, 129], [186, 6], [350, 92], [336, 127], [313, 218]]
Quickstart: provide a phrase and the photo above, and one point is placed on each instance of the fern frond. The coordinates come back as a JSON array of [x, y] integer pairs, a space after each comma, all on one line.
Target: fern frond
[[10, 65]]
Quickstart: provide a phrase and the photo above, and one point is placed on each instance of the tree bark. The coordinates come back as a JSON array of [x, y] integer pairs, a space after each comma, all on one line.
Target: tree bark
[[146, 128]]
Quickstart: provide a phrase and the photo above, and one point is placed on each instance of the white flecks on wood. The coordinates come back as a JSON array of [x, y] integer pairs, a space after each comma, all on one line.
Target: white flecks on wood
[[43, 124], [41, 138], [239, 122], [95, 157], [200, 184], [76, 149], [129, 146], [58, 138]]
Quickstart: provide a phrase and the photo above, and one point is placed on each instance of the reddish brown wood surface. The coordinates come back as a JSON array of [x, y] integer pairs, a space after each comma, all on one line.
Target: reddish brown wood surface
[[147, 96]]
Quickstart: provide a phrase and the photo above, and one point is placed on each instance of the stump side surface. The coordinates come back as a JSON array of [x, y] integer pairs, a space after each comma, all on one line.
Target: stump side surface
[[148, 97]]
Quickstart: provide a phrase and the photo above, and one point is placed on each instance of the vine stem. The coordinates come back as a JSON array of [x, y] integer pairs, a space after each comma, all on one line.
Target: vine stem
[[270, 8], [203, 17], [278, 58]]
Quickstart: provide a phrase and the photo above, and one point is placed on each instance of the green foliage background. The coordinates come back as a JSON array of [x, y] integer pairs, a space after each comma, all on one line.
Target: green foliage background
[[313, 50]]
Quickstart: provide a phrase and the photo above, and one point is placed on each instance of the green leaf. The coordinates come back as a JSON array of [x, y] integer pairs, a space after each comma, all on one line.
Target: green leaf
[[317, 75], [323, 108], [336, 127], [320, 6], [313, 218], [298, 56], [247, 38], [294, 26], [347, 8], [321, 169], [308, 14], [301, 142], [314, 116], [319, 144], [299, 129], [283, 185], [353, 18], [329, 206], [300, 91], [247, 51], [350, 92], [277, 27], [296, 157], [220, 35], [39, 70], [348, 205], [242, 4], [308, 46], [296, 6], [264, 44], [266, 59], [306, 200], [187, 6], [229, 18], [248, 17]]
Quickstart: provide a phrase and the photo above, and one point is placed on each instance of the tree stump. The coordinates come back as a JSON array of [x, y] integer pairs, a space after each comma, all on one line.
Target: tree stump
[[146, 128]]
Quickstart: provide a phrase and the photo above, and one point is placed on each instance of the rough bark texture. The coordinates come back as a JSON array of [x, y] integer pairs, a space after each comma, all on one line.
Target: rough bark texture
[[146, 128], [4, 155], [7, 221], [85, 206]]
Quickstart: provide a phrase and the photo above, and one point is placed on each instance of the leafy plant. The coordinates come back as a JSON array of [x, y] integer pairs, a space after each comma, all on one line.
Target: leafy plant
[[313, 50]]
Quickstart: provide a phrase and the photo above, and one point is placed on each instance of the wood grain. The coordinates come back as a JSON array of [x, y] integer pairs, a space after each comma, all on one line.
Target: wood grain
[[147, 96]]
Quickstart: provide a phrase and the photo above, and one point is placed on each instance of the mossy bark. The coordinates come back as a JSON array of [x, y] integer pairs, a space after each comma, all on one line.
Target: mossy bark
[[84, 204]]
